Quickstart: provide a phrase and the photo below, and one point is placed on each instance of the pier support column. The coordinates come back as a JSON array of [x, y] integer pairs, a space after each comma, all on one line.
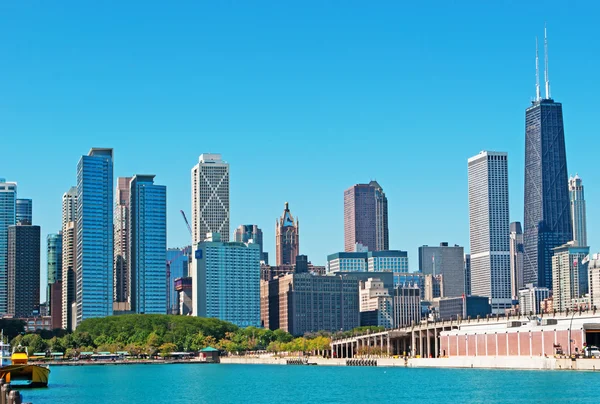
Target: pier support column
[[436, 343], [388, 345], [413, 341]]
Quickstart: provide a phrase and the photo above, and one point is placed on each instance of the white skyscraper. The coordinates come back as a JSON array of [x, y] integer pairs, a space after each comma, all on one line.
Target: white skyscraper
[[210, 198], [578, 211], [8, 197], [69, 254], [489, 228]]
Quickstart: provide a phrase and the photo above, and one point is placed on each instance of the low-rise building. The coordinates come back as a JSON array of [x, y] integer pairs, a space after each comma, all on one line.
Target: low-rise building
[[451, 308], [531, 298]]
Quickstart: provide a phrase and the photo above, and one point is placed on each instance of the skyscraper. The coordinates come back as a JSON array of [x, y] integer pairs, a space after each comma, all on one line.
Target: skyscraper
[[578, 216], [366, 217], [121, 240], [54, 269], [95, 234], [468, 274], [447, 261], [24, 211], [148, 245], [210, 198], [547, 220], [23, 269], [516, 259], [570, 275], [247, 232], [287, 238], [489, 228], [69, 256], [8, 196]]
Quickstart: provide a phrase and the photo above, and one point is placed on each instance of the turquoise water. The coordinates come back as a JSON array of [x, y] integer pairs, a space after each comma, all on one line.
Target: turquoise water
[[195, 383]]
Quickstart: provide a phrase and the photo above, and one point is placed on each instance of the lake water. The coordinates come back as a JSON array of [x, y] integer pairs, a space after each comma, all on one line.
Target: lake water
[[196, 383]]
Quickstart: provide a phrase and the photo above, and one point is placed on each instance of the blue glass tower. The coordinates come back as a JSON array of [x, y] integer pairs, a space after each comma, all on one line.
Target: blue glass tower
[[148, 245], [8, 196], [54, 262], [95, 234], [24, 211], [178, 266]]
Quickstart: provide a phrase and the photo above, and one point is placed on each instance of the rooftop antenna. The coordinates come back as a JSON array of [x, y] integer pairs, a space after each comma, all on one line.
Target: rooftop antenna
[[537, 71], [546, 73]]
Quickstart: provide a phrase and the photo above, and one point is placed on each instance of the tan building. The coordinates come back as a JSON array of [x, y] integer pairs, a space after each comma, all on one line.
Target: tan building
[[569, 275], [69, 255], [434, 287], [376, 306]]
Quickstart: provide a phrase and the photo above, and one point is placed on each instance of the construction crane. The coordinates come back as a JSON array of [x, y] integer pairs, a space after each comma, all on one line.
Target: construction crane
[[186, 222]]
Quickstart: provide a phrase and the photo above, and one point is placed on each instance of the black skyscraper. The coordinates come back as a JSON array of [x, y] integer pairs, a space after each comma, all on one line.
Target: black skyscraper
[[547, 221]]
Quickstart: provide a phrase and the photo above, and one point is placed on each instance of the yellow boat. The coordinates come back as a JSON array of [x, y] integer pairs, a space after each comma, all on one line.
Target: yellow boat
[[21, 370]]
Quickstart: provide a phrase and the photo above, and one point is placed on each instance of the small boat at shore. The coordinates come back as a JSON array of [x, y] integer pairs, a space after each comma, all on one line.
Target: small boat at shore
[[17, 368]]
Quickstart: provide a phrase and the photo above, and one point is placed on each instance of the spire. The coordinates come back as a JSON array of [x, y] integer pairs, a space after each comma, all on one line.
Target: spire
[[546, 73], [537, 71]]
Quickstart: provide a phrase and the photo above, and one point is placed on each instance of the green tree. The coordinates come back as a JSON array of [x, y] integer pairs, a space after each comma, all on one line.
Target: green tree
[[167, 348]]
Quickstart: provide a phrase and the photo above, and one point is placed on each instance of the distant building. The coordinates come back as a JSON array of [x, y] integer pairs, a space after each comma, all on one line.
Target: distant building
[[95, 234], [37, 323], [366, 217], [448, 261], [24, 211], [434, 287], [268, 272], [451, 308], [183, 287], [578, 215], [8, 196], [569, 275], [177, 267], [23, 269], [394, 261], [594, 281], [516, 259], [246, 232], [287, 238], [468, 274], [407, 305], [69, 257], [489, 228], [226, 281], [54, 275], [210, 198], [301, 303], [148, 245], [531, 298], [376, 304], [121, 241]]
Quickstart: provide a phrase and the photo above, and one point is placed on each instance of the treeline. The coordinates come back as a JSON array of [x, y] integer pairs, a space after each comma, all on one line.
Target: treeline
[[152, 334]]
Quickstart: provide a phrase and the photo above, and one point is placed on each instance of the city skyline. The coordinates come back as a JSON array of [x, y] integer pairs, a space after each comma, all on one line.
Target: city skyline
[[322, 221]]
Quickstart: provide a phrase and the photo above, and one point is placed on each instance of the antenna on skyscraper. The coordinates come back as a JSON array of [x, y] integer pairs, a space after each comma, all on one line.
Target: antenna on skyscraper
[[537, 71], [546, 73]]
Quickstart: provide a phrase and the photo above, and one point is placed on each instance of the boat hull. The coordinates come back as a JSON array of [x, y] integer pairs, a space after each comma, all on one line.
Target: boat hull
[[36, 376]]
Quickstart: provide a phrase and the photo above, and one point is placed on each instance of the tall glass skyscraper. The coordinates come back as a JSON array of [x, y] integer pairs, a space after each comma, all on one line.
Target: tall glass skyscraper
[[54, 263], [8, 196], [148, 245], [24, 211], [578, 216], [178, 265], [547, 215], [95, 234]]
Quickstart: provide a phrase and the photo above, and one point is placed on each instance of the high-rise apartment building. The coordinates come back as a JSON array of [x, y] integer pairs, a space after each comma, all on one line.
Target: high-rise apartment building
[[287, 238], [578, 216], [54, 275], [376, 304], [547, 220], [516, 259], [8, 196], [95, 234], [366, 217], [447, 261], [210, 198], [226, 281], [489, 228], [148, 245], [69, 257], [246, 232], [121, 277], [23, 269], [569, 275], [24, 211]]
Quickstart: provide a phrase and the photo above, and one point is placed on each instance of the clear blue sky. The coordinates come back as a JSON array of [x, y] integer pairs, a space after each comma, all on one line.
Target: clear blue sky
[[303, 99]]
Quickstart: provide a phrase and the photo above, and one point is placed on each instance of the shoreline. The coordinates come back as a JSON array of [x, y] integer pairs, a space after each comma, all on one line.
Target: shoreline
[[465, 362], [116, 363]]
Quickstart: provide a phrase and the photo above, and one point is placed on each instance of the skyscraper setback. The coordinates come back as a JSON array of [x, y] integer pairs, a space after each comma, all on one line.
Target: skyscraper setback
[[547, 219], [366, 217], [210, 198], [578, 216], [95, 234], [489, 228], [287, 238]]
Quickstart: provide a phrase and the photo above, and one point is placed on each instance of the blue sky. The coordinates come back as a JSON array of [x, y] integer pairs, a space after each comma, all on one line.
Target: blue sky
[[303, 100]]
